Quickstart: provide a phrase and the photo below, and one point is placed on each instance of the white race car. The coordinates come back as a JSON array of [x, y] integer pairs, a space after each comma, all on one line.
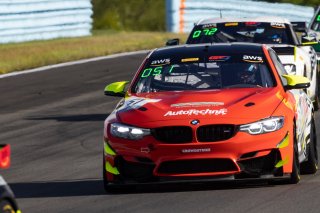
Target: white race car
[[298, 58], [314, 29]]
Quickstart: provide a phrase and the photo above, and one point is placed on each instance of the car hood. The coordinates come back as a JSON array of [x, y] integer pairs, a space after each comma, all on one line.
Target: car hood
[[240, 105]]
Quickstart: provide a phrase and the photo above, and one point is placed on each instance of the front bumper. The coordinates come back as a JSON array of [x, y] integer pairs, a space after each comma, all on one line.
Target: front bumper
[[241, 157]]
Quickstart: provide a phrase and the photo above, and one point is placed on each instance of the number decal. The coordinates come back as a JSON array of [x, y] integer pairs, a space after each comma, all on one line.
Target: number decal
[[213, 31], [157, 71], [207, 32], [196, 34], [146, 73], [154, 71]]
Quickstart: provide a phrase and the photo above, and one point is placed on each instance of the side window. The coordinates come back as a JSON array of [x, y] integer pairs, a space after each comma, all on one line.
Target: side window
[[281, 70], [315, 26]]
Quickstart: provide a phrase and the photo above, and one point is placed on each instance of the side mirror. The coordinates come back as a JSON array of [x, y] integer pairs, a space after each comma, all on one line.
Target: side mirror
[[116, 89], [314, 44], [4, 156], [173, 42], [296, 82], [309, 40]]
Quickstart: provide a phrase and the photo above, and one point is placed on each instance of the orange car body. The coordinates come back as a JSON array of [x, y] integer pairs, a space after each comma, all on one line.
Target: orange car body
[[204, 133]]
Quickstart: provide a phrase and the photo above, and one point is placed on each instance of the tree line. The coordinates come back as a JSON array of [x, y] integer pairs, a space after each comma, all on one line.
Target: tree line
[[144, 15]]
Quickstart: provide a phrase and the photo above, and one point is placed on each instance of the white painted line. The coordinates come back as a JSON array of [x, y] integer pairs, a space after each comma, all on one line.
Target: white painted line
[[46, 68], [2, 181]]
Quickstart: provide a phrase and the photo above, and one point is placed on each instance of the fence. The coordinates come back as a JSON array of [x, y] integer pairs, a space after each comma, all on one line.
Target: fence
[[26, 20], [182, 14]]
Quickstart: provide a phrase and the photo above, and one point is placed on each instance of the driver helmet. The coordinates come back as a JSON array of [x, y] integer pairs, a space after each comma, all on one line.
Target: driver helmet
[[248, 76]]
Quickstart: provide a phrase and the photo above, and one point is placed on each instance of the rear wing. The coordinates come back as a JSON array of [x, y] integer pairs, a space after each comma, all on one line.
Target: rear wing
[[300, 26], [284, 50], [4, 156]]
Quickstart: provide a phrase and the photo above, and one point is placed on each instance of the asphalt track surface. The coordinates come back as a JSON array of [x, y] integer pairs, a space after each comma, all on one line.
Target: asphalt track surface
[[54, 122]]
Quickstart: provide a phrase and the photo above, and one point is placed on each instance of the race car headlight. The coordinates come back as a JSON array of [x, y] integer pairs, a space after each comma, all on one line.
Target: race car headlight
[[128, 132], [264, 126]]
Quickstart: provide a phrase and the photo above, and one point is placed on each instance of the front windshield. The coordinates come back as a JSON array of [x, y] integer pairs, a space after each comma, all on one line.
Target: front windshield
[[212, 72], [316, 23], [256, 32]]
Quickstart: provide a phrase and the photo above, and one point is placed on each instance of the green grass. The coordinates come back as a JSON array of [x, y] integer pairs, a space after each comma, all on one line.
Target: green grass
[[21, 56]]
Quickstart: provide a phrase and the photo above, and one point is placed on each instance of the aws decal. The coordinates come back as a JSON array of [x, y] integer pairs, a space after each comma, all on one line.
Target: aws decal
[[278, 25], [252, 58], [160, 62], [209, 25]]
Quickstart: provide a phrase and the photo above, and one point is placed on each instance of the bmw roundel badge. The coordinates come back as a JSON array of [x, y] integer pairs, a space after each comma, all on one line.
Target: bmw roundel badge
[[195, 122]]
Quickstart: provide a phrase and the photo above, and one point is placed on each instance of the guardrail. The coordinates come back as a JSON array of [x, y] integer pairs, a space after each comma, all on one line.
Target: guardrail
[[182, 14], [26, 20]]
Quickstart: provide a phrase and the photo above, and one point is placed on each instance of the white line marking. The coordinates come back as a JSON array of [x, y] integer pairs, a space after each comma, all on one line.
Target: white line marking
[[45, 68], [2, 181]]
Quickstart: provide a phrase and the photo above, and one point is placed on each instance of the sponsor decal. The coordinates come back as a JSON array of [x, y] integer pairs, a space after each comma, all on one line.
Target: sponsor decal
[[260, 30], [209, 25], [301, 58], [189, 59], [197, 104], [218, 58], [290, 68], [200, 150], [249, 34], [231, 24], [160, 62], [197, 112], [135, 103], [252, 23], [252, 58], [277, 25]]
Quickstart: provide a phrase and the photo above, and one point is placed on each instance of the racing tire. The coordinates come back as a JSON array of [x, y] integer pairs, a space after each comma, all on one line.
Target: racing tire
[[295, 175], [6, 207], [316, 103], [311, 165]]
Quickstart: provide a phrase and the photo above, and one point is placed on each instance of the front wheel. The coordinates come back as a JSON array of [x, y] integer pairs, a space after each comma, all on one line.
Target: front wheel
[[311, 165], [316, 103], [295, 175]]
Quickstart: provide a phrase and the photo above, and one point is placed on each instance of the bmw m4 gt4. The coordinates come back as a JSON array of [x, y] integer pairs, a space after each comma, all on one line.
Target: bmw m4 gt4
[[221, 111]]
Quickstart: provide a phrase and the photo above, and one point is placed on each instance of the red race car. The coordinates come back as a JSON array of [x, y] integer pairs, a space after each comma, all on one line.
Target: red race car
[[221, 111]]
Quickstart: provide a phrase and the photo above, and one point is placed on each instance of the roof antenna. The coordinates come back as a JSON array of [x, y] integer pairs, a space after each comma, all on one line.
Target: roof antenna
[[220, 13]]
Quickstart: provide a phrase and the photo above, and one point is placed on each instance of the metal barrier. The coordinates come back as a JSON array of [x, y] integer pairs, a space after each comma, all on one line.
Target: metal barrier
[[182, 14], [26, 20]]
